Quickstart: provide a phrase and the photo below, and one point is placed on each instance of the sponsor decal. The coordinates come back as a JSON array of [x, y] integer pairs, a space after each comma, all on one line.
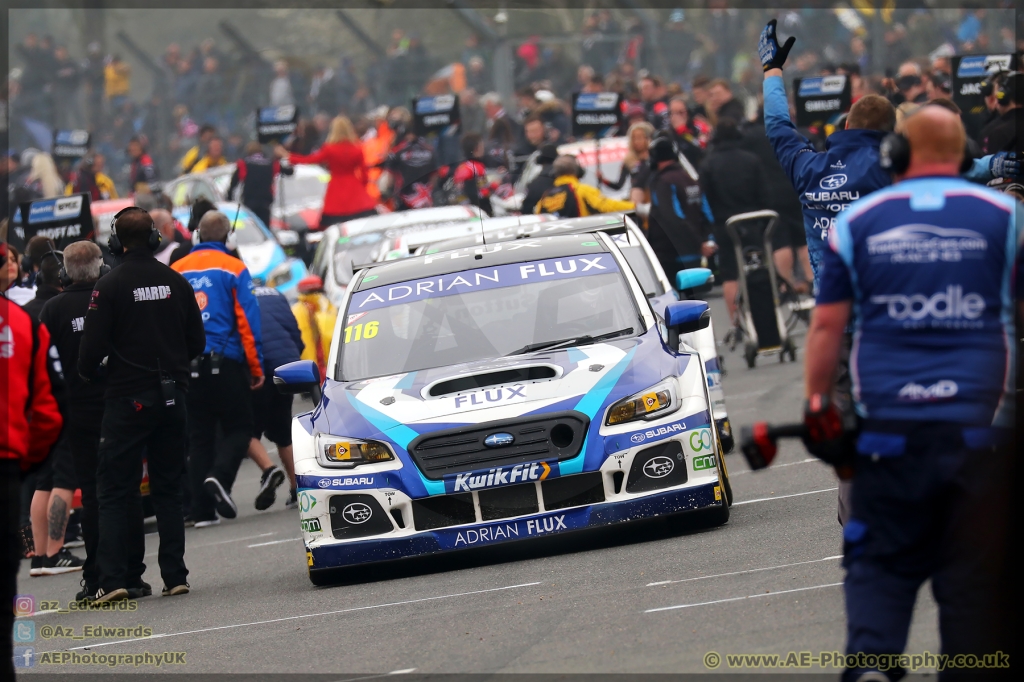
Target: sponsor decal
[[367, 481], [659, 467], [505, 531], [838, 165], [703, 462], [657, 432], [157, 293], [310, 525], [827, 196], [200, 282], [834, 181], [493, 395], [951, 309], [921, 243], [55, 209], [700, 440], [483, 278], [499, 476], [357, 512], [976, 66], [499, 440], [202, 300], [940, 390], [78, 324], [306, 502], [827, 85], [718, 493]]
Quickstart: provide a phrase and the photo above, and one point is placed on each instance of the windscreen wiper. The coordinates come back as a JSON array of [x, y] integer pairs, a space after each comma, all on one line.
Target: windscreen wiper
[[574, 341]]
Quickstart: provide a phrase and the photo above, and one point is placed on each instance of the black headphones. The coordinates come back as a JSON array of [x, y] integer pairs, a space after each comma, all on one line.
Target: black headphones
[[114, 243], [27, 262], [894, 154]]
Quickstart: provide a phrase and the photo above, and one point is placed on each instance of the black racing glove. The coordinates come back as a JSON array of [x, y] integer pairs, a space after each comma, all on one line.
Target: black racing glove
[[772, 56]]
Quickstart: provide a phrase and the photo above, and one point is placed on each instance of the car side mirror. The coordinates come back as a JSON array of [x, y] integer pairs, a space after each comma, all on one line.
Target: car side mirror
[[685, 317], [694, 280], [299, 377]]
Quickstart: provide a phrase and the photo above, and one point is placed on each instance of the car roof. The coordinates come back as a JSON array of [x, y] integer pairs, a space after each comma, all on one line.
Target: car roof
[[419, 267], [596, 223], [407, 219]]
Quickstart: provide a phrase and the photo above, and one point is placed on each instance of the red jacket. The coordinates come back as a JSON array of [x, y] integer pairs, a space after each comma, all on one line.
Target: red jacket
[[29, 419], [346, 192]]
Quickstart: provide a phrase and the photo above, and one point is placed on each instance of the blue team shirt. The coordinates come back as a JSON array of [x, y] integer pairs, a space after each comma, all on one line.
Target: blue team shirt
[[932, 267]]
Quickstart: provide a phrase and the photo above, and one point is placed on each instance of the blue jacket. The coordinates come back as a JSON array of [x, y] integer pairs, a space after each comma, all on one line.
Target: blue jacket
[[829, 181], [929, 266], [223, 291], [282, 340]]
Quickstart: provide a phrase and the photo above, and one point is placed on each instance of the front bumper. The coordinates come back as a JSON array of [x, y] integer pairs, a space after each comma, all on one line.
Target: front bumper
[[671, 501]]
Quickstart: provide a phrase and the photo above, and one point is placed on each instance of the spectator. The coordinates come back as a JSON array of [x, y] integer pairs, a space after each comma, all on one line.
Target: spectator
[[636, 166], [477, 76], [498, 147], [94, 78], [472, 114], [544, 181], [90, 179], [690, 135], [206, 133], [281, 93], [117, 77], [43, 179], [213, 158], [655, 106], [65, 90], [699, 93], [208, 95], [568, 198], [316, 317], [342, 153], [470, 177], [721, 104], [142, 171]]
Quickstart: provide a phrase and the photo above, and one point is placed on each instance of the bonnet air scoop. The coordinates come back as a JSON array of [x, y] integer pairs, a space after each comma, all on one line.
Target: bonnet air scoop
[[512, 375]]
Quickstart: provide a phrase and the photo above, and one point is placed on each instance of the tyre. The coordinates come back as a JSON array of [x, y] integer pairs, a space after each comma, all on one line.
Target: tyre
[[723, 473], [716, 516]]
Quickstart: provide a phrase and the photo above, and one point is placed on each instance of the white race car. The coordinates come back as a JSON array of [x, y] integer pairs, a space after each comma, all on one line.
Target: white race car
[[499, 393]]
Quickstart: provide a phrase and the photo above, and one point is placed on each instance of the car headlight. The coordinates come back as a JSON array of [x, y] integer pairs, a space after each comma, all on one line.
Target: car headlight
[[657, 401], [280, 275], [345, 453]]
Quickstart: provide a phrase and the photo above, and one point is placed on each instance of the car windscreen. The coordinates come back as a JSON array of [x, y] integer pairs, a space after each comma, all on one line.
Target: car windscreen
[[303, 189], [483, 313], [247, 232], [356, 250]]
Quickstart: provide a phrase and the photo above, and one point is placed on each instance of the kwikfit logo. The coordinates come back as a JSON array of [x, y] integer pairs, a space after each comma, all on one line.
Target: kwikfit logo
[[940, 390], [945, 306], [520, 473]]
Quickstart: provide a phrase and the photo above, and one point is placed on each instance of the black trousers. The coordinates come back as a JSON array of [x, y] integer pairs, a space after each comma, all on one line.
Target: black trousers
[[83, 431], [10, 559], [132, 427], [222, 399]]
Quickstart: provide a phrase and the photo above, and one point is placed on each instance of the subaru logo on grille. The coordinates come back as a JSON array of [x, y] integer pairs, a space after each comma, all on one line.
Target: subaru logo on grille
[[499, 440], [357, 513], [659, 467]]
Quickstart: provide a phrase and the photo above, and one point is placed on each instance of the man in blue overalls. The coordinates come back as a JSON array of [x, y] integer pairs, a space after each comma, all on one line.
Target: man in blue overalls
[[929, 269]]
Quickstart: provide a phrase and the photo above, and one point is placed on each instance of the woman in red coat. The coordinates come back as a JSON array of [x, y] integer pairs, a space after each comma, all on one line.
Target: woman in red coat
[[342, 154]]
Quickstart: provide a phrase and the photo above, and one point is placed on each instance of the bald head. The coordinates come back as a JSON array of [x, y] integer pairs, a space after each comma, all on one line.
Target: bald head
[[936, 137], [214, 227], [163, 222]]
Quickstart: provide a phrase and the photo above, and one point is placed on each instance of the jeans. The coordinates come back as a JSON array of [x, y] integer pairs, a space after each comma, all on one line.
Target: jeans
[[213, 399], [130, 428]]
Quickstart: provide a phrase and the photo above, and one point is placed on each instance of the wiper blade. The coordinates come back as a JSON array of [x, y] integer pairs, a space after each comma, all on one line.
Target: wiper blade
[[574, 341]]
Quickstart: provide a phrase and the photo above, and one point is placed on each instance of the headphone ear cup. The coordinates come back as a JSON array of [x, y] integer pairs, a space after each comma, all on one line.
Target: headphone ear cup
[[64, 277], [894, 153], [154, 240], [114, 244]]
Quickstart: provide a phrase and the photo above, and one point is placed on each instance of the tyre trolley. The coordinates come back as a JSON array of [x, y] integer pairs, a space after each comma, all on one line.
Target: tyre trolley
[[760, 321]]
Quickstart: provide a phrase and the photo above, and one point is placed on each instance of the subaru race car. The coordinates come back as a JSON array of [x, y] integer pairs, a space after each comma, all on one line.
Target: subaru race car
[[500, 393], [656, 285]]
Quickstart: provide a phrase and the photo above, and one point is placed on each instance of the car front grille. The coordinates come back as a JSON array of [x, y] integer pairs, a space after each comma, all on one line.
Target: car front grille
[[553, 436]]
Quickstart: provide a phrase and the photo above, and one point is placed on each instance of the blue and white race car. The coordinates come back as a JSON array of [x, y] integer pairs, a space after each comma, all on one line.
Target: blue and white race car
[[500, 393]]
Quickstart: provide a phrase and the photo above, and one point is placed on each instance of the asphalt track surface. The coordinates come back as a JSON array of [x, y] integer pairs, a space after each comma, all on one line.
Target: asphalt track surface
[[648, 597]]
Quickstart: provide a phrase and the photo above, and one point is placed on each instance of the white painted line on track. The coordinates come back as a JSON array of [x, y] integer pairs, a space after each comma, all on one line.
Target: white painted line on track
[[222, 542], [782, 497], [777, 466], [310, 615], [752, 596], [272, 542], [403, 671], [752, 570]]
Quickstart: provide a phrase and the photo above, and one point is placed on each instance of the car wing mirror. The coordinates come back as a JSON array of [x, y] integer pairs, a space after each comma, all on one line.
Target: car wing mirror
[[299, 377], [694, 280], [687, 316]]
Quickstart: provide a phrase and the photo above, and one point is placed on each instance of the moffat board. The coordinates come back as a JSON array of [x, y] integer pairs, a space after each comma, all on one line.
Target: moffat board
[[593, 113], [434, 114], [62, 219], [820, 99], [273, 124], [70, 145]]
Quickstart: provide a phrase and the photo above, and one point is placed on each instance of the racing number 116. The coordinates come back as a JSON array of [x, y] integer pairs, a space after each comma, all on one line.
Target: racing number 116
[[361, 331]]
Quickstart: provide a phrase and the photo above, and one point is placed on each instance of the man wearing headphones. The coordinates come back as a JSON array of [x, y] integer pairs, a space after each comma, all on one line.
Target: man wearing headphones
[[928, 264], [229, 369], [142, 329], [1004, 133], [64, 315], [569, 198]]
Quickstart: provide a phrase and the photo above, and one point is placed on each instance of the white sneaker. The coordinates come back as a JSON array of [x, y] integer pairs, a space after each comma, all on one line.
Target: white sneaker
[[207, 523]]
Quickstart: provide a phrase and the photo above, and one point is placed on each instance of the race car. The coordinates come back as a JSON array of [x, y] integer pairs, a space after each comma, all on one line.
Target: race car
[[645, 265], [367, 240], [500, 393], [258, 249]]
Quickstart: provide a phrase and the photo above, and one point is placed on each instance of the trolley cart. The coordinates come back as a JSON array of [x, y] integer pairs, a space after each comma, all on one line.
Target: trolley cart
[[760, 321]]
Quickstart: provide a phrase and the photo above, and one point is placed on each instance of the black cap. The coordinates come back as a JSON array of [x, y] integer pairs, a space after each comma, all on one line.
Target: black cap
[[546, 154], [662, 149]]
